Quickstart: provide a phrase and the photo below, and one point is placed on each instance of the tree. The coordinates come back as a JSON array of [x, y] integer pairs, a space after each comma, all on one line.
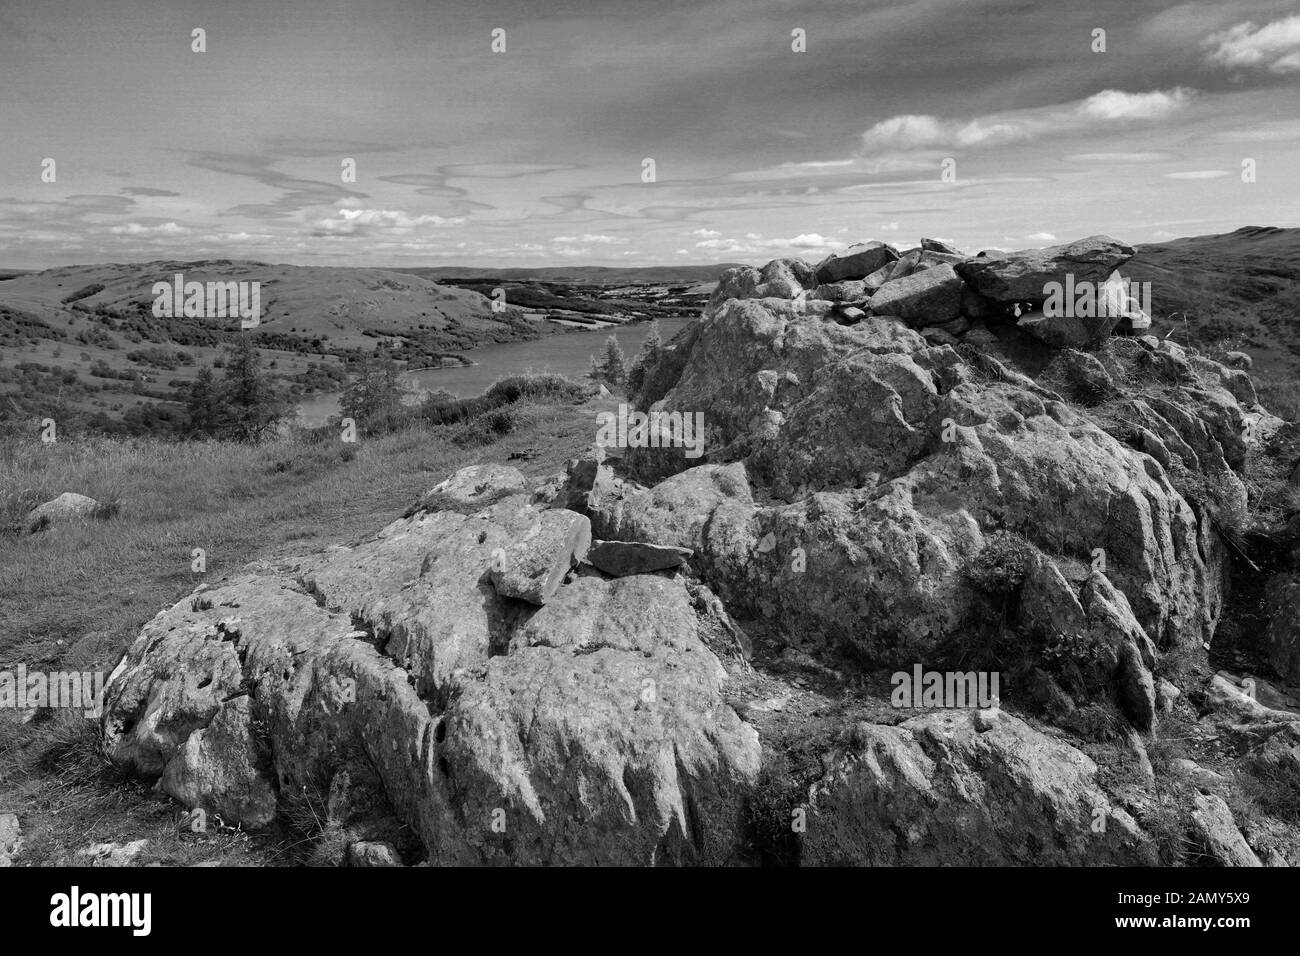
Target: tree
[[648, 355], [374, 399], [252, 407], [612, 368], [204, 404]]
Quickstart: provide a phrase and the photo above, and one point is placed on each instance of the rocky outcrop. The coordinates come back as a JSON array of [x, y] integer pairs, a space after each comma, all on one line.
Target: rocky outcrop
[[497, 730], [622, 664]]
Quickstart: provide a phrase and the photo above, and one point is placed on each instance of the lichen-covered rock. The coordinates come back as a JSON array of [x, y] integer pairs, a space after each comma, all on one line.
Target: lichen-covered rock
[[591, 730], [857, 262], [948, 789], [532, 567], [1023, 276], [925, 298]]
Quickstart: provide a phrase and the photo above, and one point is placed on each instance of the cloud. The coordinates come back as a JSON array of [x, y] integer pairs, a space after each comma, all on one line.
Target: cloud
[[706, 234], [1275, 47], [1118, 105], [354, 222], [148, 191], [754, 243], [138, 229], [1198, 174], [590, 238], [1040, 237], [913, 131], [1146, 157]]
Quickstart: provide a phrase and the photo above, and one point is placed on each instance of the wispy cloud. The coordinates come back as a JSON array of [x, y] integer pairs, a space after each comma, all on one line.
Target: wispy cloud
[[1274, 47]]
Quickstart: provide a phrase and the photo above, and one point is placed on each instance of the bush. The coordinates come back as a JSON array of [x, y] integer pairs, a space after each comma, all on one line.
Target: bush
[[1001, 565]]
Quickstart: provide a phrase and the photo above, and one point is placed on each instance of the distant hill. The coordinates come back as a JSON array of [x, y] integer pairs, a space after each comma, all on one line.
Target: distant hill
[[673, 275], [1237, 290], [349, 306]]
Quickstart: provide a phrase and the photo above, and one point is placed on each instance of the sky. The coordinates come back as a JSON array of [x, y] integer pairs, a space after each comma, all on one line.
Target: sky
[[988, 123]]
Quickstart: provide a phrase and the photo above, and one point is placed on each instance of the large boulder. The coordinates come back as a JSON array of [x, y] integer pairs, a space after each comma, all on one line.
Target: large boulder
[[591, 730], [924, 298], [856, 262], [1024, 276]]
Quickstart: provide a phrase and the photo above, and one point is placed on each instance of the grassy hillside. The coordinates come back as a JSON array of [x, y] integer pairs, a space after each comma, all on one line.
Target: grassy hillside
[[83, 340], [74, 596], [1239, 291]]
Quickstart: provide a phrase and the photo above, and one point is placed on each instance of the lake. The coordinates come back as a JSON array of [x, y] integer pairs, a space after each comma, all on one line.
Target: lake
[[561, 353]]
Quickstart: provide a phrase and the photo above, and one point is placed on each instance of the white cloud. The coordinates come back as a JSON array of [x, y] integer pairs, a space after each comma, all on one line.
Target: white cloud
[[755, 243], [351, 222], [1118, 105], [889, 227], [706, 234], [1198, 174], [1147, 157], [1040, 237], [591, 238], [136, 229], [1275, 46], [912, 132]]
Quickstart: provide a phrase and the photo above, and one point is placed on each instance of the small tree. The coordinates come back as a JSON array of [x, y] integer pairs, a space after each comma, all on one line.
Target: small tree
[[374, 399], [612, 367], [204, 404], [252, 407], [648, 355]]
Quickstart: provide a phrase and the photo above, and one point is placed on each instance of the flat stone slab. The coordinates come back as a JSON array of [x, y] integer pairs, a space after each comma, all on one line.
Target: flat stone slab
[[621, 558], [533, 567]]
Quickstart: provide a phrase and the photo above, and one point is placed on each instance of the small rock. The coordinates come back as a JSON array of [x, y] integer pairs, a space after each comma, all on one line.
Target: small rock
[[1200, 776], [986, 718], [373, 853], [11, 838], [938, 336], [621, 558], [110, 854], [69, 506], [853, 313], [1239, 360], [1166, 694]]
